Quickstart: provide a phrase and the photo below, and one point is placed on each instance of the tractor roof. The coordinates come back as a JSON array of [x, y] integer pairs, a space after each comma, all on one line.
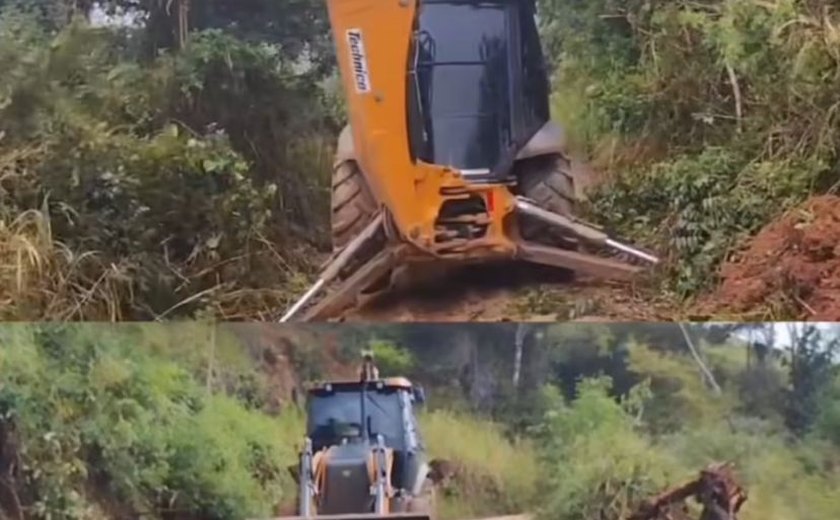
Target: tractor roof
[[388, 382]]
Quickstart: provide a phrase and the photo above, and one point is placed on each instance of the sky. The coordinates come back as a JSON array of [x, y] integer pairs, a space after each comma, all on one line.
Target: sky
[[782, 331], [99, 18]]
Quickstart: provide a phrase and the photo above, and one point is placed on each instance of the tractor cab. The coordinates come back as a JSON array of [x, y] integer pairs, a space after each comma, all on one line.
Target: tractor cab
[[360, 411]]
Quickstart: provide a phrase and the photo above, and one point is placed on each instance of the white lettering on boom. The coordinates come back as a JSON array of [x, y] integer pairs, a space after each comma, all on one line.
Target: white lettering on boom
[[358, 61]]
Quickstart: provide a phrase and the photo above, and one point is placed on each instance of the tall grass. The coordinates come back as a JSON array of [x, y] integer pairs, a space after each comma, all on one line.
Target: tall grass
[[42, 279], [495, 475]]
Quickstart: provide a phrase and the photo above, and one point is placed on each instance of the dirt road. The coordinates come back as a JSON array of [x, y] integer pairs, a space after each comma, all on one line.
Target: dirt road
[[513, 292], [509, 517]]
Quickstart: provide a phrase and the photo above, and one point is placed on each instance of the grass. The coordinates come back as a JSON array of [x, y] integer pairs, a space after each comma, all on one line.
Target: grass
[[41, 279], [496, 476]]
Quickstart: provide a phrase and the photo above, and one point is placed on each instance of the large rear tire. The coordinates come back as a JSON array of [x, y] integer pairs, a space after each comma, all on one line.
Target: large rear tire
[[547, 180], [353, 208], [353, 205]]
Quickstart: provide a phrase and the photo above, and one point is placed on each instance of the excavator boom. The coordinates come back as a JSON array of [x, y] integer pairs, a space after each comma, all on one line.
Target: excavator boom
[[450, 155]]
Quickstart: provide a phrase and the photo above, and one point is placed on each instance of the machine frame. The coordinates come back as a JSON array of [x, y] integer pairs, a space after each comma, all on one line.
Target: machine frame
[[398, 465]]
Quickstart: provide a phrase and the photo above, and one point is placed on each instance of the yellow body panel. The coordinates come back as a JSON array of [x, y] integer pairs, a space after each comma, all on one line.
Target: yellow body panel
[[373, 40]]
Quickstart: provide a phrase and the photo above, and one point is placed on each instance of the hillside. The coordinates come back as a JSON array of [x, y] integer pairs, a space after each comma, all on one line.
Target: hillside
[[102, 422], [180, 166]]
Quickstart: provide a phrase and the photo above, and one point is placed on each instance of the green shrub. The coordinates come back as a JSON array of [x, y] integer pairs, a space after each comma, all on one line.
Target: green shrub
[[701, 207], [710, 118], [175, 185], [392, 360], [94, 411], [597, 464]]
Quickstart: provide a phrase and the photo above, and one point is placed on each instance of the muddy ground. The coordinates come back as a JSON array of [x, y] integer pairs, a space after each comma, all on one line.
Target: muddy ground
[[789, 270], [515, 292]]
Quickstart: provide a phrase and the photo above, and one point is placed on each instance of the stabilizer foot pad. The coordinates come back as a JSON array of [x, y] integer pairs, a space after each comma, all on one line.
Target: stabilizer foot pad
[[579, 262], [347, 292]]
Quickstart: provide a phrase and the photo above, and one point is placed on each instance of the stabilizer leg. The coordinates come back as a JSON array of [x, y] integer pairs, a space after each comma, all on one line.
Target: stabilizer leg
[[335, 266], [578, 262], [580, 230], [347, 292]]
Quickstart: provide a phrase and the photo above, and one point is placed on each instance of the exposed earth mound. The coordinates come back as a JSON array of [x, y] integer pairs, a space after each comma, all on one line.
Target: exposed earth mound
[[792, 264]]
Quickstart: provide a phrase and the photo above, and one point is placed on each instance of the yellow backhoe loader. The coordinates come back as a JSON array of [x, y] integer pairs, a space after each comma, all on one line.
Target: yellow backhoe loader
[[450, 155], [363, 457]]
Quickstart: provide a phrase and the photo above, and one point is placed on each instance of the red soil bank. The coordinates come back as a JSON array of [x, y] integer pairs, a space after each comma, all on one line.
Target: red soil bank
[[794, 259]]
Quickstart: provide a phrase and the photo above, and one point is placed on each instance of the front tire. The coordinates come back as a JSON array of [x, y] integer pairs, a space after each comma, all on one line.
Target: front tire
[[353, 208]]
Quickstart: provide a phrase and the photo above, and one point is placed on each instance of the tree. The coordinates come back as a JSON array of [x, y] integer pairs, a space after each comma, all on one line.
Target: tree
[[811, 372], [298, 26]]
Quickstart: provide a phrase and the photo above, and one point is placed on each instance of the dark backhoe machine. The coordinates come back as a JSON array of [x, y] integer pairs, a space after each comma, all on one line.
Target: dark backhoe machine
[[450, 155], [363, 457]]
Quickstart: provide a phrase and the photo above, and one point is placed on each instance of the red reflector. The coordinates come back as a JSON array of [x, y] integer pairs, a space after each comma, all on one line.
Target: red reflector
[[491, 202]]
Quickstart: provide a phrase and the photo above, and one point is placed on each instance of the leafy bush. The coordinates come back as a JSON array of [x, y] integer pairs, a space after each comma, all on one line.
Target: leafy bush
[[597, 464], [88, 411], [392, 360], [496, 476], [161, 187], [701, 207], [711, 118]]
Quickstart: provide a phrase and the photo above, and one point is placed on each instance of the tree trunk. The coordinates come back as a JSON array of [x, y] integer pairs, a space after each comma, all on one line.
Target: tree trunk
[[696, 355], [519, 344], [183, 22]]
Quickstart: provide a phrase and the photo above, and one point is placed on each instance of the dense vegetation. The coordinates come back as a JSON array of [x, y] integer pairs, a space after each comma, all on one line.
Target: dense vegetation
[[621, 411], [142, 177], [175, 161], [99, 422], [709, 117], [114, 422]]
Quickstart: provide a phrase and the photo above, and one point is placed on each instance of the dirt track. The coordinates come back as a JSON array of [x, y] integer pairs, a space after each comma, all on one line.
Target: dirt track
[[510, 517], [512, 292], [789, 270]]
